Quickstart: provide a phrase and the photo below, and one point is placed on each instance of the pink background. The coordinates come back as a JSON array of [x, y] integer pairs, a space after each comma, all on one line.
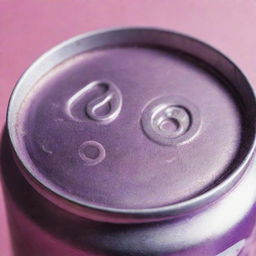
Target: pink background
[[30, 27]]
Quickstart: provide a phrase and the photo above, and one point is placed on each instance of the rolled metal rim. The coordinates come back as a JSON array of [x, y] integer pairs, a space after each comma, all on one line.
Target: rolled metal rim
[[134, 35]]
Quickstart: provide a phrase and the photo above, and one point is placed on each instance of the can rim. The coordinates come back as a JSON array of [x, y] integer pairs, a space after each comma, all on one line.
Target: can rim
[[103, 213]]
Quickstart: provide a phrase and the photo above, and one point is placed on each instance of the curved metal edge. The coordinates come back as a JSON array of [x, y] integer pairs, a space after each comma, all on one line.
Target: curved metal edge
[[129, 215]]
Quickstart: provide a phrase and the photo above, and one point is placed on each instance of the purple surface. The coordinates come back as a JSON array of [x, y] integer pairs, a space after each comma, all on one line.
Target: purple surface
[[27, 29], [136, 172]]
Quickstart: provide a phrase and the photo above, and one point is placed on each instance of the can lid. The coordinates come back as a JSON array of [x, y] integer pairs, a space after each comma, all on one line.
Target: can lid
[[133, 121]]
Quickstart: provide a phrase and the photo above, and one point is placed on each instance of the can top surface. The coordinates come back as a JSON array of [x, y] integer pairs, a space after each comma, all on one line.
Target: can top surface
[[131, 125]]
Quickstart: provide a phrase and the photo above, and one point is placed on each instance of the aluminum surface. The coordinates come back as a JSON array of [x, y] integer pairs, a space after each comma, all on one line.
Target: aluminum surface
[[38, 223], [129, 183], [86, 138]]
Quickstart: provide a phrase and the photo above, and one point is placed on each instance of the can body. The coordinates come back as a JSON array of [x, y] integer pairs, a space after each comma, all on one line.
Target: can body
[[40, 228], [44, 223]]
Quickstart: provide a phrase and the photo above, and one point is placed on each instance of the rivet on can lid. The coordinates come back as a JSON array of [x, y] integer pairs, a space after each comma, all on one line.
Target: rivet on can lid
[[170, 120]]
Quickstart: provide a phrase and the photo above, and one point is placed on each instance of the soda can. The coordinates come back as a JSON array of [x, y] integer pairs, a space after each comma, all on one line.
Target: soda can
[[131, 142]]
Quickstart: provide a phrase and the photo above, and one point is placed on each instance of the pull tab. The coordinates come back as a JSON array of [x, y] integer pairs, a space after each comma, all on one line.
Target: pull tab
[[110, 99]]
